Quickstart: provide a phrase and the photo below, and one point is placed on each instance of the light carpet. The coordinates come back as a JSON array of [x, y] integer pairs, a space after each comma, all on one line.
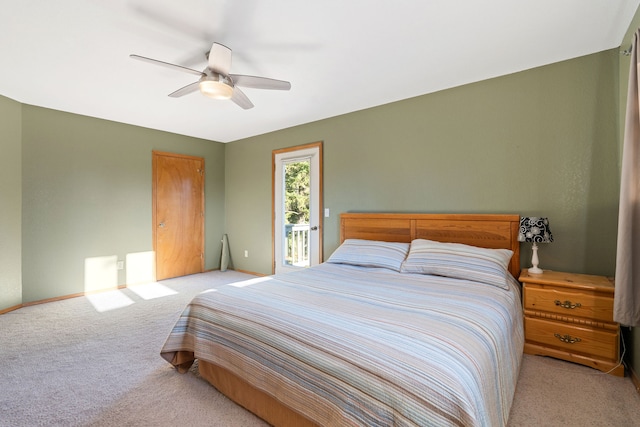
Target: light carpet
[[94, 361]]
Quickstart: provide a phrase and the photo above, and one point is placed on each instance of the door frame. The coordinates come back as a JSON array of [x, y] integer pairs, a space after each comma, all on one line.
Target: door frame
[[154, 214], [313, 145]]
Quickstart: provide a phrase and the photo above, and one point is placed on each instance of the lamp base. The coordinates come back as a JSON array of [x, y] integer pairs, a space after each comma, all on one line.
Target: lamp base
[[534, 260]]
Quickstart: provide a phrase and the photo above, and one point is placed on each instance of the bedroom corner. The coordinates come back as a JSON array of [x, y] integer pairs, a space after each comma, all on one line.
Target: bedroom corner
[[11, 204], [86, 197]]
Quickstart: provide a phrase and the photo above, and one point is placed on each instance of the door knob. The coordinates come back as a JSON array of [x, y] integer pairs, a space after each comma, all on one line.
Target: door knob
[[314, 228], [161, 225]]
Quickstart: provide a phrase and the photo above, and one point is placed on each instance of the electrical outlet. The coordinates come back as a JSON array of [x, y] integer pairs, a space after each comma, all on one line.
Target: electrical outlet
[[246, 253], [120, 265]]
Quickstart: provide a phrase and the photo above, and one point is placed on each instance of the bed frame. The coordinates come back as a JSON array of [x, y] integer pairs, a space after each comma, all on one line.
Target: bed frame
[[483, 230]]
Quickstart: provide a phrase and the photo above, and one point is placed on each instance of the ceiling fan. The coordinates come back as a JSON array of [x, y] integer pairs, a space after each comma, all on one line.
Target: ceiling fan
[[216, 82]]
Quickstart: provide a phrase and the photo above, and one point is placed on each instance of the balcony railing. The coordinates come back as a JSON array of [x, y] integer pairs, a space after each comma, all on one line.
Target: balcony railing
[[297, 244]]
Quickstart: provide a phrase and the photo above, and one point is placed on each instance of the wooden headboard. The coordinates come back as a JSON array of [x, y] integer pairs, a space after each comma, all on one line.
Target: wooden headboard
[[495, 231]]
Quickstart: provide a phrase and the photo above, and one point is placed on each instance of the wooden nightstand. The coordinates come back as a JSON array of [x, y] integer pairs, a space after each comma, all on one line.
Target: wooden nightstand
[[570, 316]]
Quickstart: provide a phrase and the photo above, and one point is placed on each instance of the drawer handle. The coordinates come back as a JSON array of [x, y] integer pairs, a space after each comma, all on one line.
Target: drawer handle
[[567, 304], [567, 338]]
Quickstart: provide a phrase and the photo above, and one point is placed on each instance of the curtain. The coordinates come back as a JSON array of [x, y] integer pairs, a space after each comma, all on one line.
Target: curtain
[[626, 307]]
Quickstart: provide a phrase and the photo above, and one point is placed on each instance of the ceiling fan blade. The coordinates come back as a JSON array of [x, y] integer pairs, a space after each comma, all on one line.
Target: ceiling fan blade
[[259, 82], [241, 99], [166, 64], [220, 59], [190, 88]]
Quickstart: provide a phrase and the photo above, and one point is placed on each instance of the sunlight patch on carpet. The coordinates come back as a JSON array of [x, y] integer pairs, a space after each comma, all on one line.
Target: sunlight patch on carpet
[[153, 290], [250, 282], [110, 300]]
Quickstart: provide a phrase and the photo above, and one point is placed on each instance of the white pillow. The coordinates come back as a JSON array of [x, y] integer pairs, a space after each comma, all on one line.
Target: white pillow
[[459, 261], [370, 253]]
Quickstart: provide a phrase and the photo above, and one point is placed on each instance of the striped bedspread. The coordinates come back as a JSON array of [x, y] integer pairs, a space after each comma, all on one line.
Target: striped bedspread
[[346, 345]]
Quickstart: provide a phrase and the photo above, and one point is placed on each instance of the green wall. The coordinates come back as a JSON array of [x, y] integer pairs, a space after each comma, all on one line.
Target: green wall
[[10, 203], [541, 142], [87, 187]]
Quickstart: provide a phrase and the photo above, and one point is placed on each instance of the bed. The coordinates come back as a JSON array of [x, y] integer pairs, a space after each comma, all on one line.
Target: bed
[[414, 320]]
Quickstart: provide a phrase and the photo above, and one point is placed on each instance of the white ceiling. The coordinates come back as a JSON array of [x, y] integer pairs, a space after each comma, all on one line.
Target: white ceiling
[[339, 55]]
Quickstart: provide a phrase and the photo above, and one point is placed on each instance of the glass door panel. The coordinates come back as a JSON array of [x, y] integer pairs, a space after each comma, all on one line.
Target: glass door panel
[[296, 204]]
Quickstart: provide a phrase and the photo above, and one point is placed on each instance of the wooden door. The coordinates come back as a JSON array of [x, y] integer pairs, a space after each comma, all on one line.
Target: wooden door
[[178, 214]]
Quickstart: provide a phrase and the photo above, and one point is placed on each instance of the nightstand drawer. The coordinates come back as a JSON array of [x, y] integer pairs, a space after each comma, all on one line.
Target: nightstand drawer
[[572, 338], [568, 303]]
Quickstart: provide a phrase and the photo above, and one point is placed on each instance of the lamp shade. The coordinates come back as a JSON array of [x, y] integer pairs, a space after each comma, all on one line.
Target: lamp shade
[[535, 229]]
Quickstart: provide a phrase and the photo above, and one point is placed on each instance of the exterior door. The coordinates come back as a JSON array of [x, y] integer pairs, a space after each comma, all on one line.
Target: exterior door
[[178, 214], [297, 207]]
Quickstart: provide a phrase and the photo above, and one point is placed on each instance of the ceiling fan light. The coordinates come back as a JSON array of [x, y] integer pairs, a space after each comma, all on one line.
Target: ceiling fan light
[[215, 89]]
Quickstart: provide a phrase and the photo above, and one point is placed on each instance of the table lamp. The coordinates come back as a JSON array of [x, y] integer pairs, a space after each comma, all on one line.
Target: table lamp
[[536, 230]]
